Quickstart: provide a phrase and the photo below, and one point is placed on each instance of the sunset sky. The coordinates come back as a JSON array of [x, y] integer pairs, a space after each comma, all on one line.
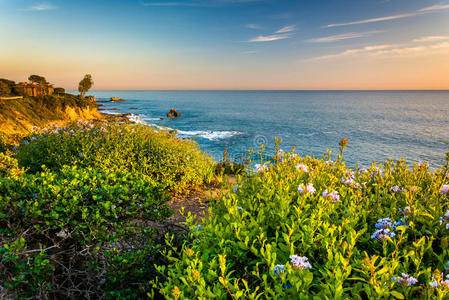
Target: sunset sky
[[228, 44]]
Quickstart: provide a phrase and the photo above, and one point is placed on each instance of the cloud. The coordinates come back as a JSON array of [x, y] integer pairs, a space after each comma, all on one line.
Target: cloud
[[248, 52], [344, 36], [196, 2], [387, 50], [286, 29], [421, 11], [350, 52], [435, 7], [252, 26], [270, 38], [42, 7], [432, 38]]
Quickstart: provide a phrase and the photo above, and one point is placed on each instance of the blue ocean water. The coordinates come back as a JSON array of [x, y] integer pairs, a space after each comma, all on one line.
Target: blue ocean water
[[413, 125]]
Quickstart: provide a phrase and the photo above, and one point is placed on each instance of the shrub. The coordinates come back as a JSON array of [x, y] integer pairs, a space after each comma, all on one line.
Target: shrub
[[59, 90], [303, 228], [159, 156], [78, 233], [9, 165], [4, 89]]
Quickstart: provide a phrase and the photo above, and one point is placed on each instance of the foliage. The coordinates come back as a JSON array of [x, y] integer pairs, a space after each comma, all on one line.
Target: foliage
[[159, 156], [232, 167], [9, 165], [303, 228], [4, 89], [59, 90], [85, 84], [78, 233], [37, 79]]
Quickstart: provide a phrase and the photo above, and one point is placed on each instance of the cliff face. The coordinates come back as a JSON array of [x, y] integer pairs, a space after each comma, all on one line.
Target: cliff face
[[18, 117]]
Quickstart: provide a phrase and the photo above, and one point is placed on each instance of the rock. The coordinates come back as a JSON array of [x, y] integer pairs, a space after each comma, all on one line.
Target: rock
[[173, 113], [115, 99]]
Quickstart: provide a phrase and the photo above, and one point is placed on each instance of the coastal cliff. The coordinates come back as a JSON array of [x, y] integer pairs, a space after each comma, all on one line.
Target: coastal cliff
[[19, 116]]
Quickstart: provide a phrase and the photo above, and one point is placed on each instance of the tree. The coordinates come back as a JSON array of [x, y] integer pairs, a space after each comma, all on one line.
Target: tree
[[59, 90], [4, 89], [85, 84], [37, 79]]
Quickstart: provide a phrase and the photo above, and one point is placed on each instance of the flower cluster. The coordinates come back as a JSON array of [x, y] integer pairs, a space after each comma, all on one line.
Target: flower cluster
[[300, 262], [396, 189], [439, 282], [260, 168], [306, 189], [334, 196], [302, 167], [445, 219], [445, 189], [384, 229], [278, 269], [349, 180], [405, 279]]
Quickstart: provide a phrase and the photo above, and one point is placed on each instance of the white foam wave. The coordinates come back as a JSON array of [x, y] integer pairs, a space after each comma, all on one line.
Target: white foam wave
[[209, 134], [109, 112]]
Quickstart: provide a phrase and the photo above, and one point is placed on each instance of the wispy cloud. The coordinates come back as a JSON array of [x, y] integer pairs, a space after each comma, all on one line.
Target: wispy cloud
[[286, 29], [387, 50], [197, 2], [42, 7], [270, 38], [424, 10], [435, 7], [343, 36], [252, 26], [350, 52], [248, 52], [432, 38]]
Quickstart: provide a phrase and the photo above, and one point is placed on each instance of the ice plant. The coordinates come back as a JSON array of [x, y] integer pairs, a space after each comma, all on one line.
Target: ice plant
[[300, 262], [306, 189]]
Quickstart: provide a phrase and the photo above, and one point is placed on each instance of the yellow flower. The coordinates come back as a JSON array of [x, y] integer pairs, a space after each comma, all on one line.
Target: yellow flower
[[190, 252], [176, 292], [196, 274]]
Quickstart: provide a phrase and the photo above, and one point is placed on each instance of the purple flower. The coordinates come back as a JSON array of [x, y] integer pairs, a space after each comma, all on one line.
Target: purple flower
[[406, 279], [302, 167], [306, 189], [445, 189], [278, 269], [300, 262], [334, 196], [396, 189]]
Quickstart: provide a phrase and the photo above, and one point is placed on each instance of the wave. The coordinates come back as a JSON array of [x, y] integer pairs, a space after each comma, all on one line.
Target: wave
[[208, 134], [108, 112], [205, 134]]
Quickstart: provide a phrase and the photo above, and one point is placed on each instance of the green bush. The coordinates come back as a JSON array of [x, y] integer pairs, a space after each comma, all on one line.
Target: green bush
[[307, 228], [9, 165], [78, 233], [159, 156]]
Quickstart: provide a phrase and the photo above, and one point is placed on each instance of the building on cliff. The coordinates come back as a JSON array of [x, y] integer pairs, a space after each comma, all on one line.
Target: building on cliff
[[32, 89]]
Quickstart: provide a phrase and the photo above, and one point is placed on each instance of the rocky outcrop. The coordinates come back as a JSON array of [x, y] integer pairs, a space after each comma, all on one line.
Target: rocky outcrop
[[115, 99], [173, 113]]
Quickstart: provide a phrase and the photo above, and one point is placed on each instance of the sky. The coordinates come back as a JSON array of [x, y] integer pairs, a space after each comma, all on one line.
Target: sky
[[228, 44]]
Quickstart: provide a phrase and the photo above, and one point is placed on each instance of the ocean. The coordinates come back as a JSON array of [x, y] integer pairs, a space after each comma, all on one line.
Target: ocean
[[413, 125]]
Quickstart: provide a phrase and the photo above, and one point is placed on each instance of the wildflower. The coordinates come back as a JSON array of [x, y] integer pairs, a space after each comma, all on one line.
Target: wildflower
[[190, 252], [445, 189], [81, 154], [363, 171], [436, 282], [260, 168], [302, 167], [329, 162], [278, 269], [384, 223], [396, 189], [240, 209], [406, 279], [300, 262], [306, 189], [334, 196], [198, 228], [33, 138], [382, 234]]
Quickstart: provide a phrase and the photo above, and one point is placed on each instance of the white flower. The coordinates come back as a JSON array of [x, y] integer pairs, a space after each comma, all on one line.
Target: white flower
[[302, 167]]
